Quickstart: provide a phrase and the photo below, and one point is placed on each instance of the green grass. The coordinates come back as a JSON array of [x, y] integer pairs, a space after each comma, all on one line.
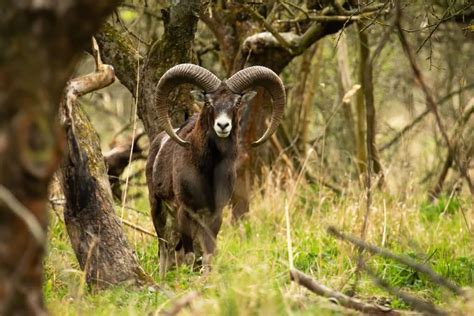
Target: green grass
[[250, 272]]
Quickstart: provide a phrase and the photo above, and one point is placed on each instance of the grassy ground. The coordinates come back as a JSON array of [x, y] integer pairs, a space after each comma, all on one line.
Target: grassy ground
[[250, 274]]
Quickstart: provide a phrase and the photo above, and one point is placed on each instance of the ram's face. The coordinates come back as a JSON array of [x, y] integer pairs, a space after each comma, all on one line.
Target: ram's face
[[224, 108]]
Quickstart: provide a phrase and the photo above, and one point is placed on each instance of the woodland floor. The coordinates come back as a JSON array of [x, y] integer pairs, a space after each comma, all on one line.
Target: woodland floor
[[250, 274]]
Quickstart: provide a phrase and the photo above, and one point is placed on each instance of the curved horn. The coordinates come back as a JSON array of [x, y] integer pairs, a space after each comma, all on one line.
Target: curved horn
[[182, 73], [265, 77]]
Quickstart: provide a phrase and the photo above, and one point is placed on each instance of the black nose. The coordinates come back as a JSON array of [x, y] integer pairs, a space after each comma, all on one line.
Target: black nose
[[223, 126]]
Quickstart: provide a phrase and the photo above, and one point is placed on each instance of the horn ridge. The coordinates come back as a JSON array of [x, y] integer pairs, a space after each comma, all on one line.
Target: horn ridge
[[180, 74], [268, 79]]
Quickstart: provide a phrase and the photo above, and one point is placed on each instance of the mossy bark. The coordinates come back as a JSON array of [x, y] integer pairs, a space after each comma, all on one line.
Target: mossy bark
[[94, 229]]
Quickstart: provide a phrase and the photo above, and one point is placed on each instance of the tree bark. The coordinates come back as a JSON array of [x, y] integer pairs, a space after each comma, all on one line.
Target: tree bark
[[360, 106], [175, 47], [345, 82], [45, 39], [94, 229], [118, 158]]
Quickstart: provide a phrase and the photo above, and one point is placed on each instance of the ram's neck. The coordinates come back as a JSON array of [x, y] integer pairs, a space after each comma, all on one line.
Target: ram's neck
[[207, 147]]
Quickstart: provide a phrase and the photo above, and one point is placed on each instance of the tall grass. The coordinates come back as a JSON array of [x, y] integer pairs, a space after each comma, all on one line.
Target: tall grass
[[250, 271]]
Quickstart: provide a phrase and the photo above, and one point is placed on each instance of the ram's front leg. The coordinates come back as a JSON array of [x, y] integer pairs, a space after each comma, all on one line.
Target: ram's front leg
[[208, 238], [186, 230]]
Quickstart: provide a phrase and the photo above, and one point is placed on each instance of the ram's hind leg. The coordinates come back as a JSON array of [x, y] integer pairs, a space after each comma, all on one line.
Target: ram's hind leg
[[158, 215]]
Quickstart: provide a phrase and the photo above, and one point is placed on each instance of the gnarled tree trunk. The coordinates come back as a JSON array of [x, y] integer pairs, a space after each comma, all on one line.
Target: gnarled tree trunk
[[94, 229], [40, 42]]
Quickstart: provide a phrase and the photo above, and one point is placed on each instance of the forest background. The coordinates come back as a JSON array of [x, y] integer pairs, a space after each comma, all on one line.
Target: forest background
[[376, 148]]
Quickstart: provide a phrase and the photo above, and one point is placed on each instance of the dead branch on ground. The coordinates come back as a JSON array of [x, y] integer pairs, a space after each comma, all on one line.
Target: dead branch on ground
[[433, 276], [346, 301], [180, 304]]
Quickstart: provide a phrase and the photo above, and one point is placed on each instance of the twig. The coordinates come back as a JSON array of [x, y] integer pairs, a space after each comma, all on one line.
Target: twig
[[420, 117], [325, 18], [433, 276], [24, 214], [436, 27], [288, 236], [346, 301], [138, 228], [296, 7], [414, 302], [180, 303], [426, 90], [283, 42], [375, 17], [122, 24], [144, 10], [405, 130], [433, 106]]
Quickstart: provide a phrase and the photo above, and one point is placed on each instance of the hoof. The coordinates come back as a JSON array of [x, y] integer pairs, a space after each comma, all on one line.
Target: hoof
[[189, 259], [205, 270], [206, 264]]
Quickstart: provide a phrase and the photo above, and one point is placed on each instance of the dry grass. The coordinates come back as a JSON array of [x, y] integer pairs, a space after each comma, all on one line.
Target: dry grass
[[250, 274]]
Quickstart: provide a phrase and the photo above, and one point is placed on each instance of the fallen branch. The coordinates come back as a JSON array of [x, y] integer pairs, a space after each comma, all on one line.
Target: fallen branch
[[346, 301], [180, 303], [433, 276], [416, 303]]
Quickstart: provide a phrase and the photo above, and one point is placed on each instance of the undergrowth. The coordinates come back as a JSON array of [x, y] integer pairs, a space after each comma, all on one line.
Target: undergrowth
[[250, 272]]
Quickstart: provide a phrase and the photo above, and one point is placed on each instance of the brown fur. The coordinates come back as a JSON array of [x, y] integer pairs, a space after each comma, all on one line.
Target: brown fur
[[197, 180]]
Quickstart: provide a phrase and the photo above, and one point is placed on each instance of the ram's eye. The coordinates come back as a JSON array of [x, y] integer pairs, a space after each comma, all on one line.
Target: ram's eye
[[246, 97], [199, 96]]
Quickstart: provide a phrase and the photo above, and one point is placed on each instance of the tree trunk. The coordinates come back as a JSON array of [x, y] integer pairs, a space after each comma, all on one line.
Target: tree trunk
[[345, 82], [175, 47], [360, 108], [313, 84], [94, 229], [43, 39]]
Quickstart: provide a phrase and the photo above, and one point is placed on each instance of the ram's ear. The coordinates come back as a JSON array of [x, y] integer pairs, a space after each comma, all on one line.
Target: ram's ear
[[198, 95], [248, 96]]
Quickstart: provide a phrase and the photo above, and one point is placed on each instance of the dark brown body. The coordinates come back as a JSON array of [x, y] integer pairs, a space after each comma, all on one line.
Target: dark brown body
[[197, 180], [191, 172]]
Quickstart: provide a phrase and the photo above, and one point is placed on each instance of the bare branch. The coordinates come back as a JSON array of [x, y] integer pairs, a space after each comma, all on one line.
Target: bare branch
[[24, 214], [414, 302], [433, 276], [283, 42], [420, 117], [180, 303], [138, 228], [103, 76], [435, 27], [433, 106], [346, 301]]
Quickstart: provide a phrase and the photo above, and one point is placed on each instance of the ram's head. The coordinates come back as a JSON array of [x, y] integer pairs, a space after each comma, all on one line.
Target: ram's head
[[222, 98]]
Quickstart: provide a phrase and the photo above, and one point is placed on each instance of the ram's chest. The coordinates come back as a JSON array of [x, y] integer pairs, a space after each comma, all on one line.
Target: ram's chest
[[209, 188]]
